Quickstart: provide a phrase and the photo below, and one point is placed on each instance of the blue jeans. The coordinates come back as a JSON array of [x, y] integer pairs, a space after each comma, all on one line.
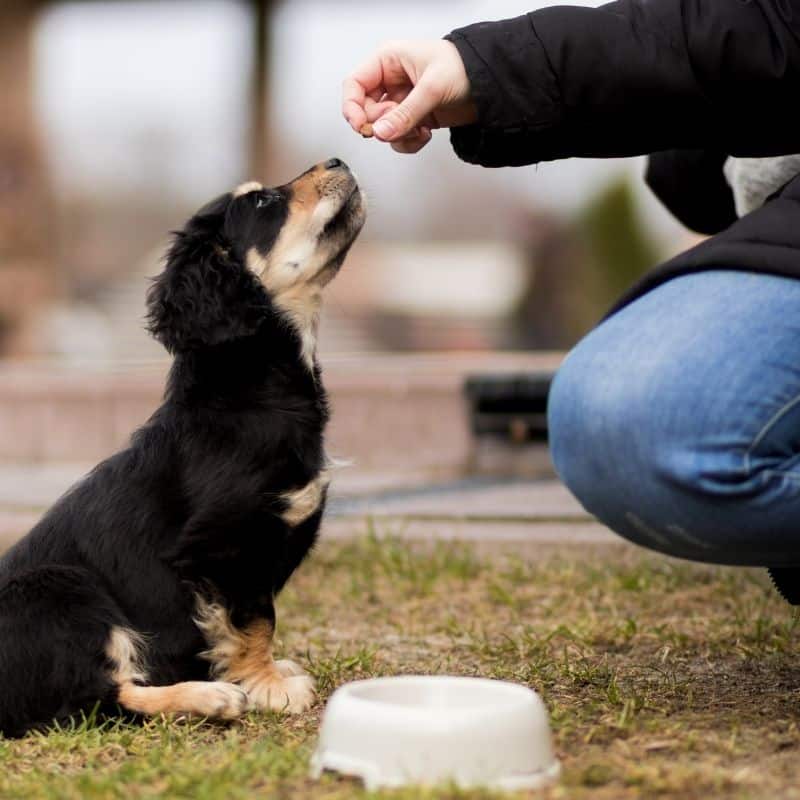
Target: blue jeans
[[676, 422]]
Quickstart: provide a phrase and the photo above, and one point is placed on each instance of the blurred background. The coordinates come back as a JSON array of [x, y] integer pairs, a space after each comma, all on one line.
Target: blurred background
[[118, 119]]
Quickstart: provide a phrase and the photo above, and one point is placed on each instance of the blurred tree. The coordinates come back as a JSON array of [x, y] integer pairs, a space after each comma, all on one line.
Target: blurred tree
[[27, 276], [619, 248], [579, 269], [259, 124], [549, 313]]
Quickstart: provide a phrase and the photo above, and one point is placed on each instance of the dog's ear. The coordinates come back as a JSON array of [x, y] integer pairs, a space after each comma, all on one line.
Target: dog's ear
[[204, 296]]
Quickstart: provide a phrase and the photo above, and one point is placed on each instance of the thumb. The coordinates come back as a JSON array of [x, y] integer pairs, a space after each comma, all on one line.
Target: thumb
[[408, 115]]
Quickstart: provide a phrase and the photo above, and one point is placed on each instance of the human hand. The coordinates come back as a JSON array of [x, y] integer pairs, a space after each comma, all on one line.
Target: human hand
[[406, 89]]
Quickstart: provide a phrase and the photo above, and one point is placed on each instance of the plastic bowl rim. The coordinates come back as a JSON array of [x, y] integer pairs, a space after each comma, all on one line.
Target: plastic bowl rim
[[503, 689]]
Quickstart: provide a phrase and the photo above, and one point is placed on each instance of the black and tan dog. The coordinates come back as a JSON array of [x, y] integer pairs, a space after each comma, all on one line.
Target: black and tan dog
[[151, 584]]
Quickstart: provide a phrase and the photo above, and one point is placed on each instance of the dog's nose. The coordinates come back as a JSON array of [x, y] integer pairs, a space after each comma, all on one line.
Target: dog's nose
[[335, 163]]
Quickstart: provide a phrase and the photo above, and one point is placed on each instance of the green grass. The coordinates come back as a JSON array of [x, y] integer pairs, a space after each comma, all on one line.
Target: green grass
[[662, 678]]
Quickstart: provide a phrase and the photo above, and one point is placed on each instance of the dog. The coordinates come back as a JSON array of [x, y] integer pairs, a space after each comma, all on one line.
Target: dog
[[149, 587]]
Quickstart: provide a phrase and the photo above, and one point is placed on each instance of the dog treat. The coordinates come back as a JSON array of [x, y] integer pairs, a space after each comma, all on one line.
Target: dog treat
[[366, 130]]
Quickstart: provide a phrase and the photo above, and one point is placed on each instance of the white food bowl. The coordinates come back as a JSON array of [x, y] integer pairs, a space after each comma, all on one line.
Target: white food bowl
[[436, 729]]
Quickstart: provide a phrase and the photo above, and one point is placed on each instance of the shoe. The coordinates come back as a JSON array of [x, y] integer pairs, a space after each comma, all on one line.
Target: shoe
[[787, 581]]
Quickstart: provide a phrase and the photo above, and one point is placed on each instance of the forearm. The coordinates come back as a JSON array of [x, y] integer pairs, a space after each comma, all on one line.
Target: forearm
[[633, 77]]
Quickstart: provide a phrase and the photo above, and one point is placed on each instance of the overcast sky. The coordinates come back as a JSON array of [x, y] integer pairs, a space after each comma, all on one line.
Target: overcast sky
[[137, 93]]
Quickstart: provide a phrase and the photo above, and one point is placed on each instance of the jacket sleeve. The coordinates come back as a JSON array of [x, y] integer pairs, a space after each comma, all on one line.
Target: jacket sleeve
[[692, 185], [633, 77]]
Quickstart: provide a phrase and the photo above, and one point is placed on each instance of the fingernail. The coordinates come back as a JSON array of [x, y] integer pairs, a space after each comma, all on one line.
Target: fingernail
[[383, 129]]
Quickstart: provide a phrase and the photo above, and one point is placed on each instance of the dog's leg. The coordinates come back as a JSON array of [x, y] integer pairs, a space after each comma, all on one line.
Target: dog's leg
[[197, 698], [213, 699], [270, 685], [244, 657]]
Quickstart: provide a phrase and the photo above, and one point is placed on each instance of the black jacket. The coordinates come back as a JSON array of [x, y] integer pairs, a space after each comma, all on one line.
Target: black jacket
[[690, 81]]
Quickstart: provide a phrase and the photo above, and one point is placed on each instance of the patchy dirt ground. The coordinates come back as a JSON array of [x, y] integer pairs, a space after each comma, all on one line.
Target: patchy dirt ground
[[662, 678]]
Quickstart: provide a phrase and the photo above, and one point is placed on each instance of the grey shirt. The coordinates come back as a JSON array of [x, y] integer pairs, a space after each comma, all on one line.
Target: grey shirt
[[753, 180]]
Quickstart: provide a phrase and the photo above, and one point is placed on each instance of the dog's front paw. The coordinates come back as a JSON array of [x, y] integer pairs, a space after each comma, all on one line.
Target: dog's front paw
[[293, 695], [220, 700], [289, 668]]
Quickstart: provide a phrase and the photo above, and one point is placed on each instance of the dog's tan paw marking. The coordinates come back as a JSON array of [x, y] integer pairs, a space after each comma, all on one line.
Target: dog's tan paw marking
[[220, 700], [215, 699], [291, 695], [289, 668]]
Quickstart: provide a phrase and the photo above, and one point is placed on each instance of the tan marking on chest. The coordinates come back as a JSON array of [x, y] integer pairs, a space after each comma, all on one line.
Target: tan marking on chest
[[304, 502]]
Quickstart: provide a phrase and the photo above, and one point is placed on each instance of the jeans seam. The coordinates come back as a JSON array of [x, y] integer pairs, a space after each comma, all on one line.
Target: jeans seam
[[783, 410]]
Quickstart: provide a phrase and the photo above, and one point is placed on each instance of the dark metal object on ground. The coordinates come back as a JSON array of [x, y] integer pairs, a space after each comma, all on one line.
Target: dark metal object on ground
[[511, 407]]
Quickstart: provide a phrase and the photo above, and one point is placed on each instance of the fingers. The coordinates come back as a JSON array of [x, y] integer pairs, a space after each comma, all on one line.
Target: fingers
[[365, 83], [401, 120], [414, 142], [375, 110], [353, 99], [382, 93]]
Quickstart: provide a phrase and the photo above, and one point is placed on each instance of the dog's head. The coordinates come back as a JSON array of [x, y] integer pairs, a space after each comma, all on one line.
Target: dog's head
[[255, 253]]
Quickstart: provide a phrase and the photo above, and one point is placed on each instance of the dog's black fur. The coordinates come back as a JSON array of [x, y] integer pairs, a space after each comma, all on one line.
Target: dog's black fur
[[194, 505]]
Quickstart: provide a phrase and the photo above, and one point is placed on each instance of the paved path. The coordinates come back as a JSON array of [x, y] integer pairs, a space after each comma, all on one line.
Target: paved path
[[408, 457], [34, 488], [475, 499], [414, 506]]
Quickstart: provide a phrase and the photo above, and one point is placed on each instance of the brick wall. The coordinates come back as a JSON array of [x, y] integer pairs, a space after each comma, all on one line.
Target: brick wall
[[390, 413]]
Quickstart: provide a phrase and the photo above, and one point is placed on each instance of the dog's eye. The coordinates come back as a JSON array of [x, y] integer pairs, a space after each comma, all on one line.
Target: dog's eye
[[264, 200]]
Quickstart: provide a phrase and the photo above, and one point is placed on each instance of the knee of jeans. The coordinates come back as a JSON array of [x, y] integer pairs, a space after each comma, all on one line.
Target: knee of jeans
[[705, 472], [608, 438], [563, 423], [606, 426], [582, 428]]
